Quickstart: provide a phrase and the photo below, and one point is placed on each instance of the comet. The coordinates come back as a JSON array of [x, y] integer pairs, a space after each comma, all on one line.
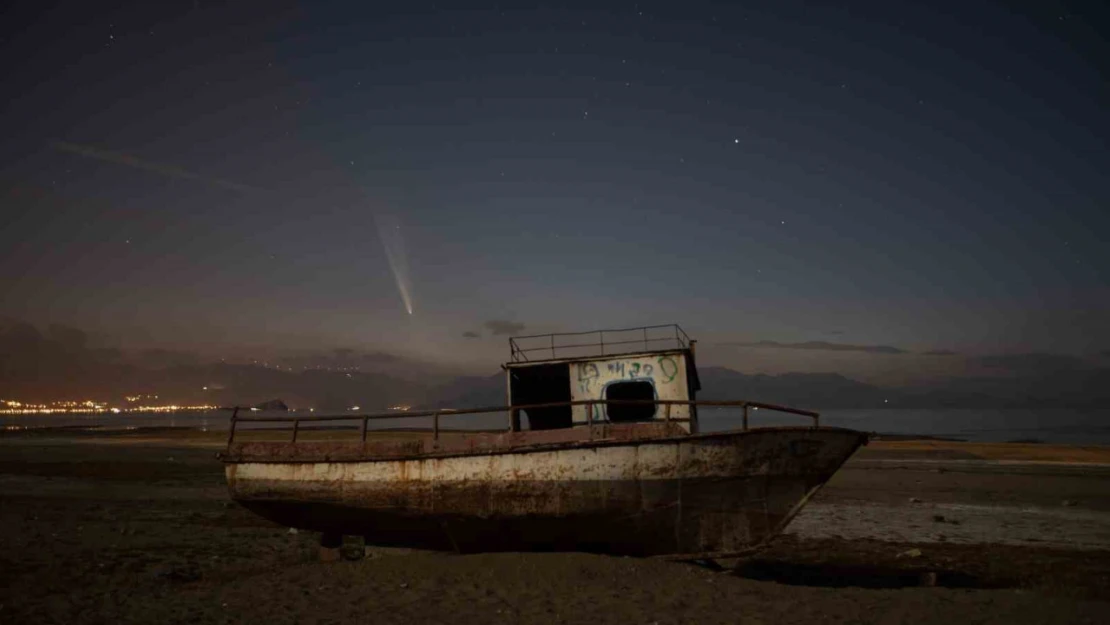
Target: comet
[[393, 242]]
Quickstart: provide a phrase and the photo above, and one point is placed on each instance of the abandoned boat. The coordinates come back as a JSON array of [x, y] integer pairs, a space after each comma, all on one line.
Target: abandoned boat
[[611, 461]]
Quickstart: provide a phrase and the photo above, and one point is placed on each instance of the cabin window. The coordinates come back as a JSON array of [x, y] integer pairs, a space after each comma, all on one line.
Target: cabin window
[[639, 390]]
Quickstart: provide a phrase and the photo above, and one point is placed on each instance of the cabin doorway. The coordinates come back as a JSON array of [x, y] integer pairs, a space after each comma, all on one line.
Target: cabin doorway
[[542, 384]]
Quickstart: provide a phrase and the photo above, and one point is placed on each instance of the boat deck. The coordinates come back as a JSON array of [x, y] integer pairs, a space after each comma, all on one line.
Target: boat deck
[[435, 442]]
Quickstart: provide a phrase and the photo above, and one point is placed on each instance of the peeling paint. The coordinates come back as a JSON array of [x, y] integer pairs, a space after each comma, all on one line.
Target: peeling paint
[[639, 496]]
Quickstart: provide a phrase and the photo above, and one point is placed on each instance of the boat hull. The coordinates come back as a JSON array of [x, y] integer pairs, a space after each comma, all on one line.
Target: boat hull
[[699, 495]]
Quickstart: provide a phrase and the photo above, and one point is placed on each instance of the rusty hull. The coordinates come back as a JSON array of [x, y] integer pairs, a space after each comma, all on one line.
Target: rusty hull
[[631, 490]]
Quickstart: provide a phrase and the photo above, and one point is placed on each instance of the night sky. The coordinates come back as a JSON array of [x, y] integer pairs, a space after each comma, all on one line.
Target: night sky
[[802, 186]]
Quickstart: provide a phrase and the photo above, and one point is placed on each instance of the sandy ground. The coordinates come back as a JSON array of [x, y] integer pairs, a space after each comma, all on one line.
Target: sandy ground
[[967, 493], [138, 529]]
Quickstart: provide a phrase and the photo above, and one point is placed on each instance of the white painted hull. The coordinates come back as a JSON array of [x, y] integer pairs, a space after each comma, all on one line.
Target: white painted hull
[[685, 495]]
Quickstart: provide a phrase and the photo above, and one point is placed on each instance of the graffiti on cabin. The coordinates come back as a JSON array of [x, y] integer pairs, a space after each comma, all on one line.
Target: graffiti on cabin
[[634, 369], [663, 370], [668, 367], [587, 374], [665, 373]]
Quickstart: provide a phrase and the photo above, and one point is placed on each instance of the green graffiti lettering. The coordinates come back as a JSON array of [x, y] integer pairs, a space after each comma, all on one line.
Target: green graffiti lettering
[[668, 367], [588, 371]]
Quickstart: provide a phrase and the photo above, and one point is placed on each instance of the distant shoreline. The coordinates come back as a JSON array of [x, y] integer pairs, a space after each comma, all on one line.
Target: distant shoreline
[[880, 448], [1025, 427]]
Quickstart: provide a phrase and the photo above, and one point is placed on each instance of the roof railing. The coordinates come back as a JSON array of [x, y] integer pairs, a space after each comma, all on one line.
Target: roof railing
[[528, 348]]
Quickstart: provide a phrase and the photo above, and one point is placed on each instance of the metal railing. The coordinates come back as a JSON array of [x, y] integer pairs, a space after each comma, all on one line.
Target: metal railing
[[647, 336], [514, 411]]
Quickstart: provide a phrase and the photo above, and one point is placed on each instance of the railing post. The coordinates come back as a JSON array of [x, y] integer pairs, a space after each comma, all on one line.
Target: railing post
[[645, 339], [231, 426], [601, 340], [435, 428], [745, 417], [552, 345], [365, 420], [296, 426], [816, 420], [667, 413]]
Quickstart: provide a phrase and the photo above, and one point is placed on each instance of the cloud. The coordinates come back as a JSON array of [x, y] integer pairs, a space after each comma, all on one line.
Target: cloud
[[825, 346], [940, 352], [73, 339], [172, 171], [1032, 362], [158, 357], [501, 327], [470, 334]]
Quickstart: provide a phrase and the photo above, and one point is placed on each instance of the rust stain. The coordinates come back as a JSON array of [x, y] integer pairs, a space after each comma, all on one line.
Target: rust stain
[[625, 491]]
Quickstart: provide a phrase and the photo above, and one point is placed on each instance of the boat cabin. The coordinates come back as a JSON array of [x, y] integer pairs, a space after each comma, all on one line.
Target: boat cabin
[[634, 365]]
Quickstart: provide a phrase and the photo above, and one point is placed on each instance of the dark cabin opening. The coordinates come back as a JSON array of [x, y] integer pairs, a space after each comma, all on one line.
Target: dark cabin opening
[[643, 391], [542, 384]]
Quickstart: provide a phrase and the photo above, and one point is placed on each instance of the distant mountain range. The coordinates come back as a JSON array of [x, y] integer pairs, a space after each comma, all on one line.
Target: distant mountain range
[[57, 364], [824, 391]]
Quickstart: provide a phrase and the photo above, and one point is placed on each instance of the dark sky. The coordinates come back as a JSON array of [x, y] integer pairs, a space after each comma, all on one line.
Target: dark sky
[[248, 175]]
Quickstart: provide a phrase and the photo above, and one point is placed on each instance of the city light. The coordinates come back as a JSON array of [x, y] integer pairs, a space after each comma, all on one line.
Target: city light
[[89, 406], [135, 398]]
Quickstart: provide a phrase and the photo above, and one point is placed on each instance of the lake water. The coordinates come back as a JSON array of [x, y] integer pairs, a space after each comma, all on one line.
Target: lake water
[[1050, 426]]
